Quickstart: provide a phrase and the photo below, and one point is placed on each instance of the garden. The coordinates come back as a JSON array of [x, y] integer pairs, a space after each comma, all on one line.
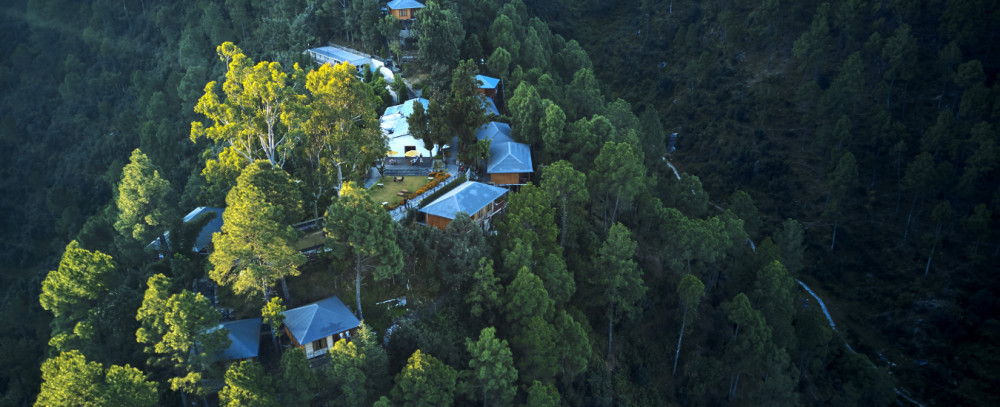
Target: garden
[[393, 192]]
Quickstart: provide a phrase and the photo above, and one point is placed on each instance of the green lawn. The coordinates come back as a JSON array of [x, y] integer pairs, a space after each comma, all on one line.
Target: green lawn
[[389, 191]]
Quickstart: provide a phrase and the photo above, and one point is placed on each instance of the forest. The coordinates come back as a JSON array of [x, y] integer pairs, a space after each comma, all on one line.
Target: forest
[[697, 166]]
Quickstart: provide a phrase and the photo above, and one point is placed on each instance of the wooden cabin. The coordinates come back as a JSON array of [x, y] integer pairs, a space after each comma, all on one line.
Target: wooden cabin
[[479, 200], [509, 162], [404, 10], [488, 86], [316, 327]]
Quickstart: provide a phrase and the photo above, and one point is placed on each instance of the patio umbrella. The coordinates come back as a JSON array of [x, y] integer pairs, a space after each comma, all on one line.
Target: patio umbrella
[[392, 153], [412, 153]]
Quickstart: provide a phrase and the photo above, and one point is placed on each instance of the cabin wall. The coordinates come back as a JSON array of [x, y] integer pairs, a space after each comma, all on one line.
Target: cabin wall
[[437, 221], [505, 179], [403, 14]]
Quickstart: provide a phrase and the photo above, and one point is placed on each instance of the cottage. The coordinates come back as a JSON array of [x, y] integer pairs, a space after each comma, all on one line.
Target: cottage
[[488, 86], [404, 10], [479, 200], [317, 326], [244, 336], [397, 131], [335, 56], [509, 162], [203, 242]]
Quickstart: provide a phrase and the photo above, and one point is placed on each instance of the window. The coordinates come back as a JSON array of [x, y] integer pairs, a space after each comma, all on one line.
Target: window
[[319, 345], [404, 12]]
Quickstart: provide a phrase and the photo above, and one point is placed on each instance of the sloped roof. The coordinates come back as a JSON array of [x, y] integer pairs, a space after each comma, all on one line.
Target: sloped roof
[[205, 235], [486, 82], [401, 4], [496, 132], [245, 337], [508, 158], [506, 155], [336, 55], [469, 197], [393, 121], [319, 320], [491, 108]]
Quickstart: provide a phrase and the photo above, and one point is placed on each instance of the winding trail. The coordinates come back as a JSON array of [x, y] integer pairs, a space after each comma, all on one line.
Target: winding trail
[[899, 392]]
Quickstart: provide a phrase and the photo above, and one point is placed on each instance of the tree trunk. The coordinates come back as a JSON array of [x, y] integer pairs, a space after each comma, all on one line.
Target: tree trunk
[[284, 289], [906, 229], [184, 399], [929, 258], [888, 95], [833, 241], [562, 237], [340, 179], [166, 246], [680, 338], [357, 284], [611, 313]]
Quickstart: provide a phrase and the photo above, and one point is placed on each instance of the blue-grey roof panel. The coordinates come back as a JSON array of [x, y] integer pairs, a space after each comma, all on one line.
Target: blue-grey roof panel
[[491, 108], [486, 82], [339, 55], [469, 197], [319, 320], [205, 235], [245, 337], [401, 4], [508, 158], [496, 132]]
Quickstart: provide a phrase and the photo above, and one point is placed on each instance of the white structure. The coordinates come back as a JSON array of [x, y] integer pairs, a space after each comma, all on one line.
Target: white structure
[[397, 130], [334, 56]]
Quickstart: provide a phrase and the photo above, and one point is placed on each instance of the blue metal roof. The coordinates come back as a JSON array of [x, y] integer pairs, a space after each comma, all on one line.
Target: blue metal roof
[[469, 197], [491, 108], [486, 82], [496, 132], [245, 337], [401, 4], [319, 320], [336, 55], [508, 158], [506, 155], [205, 235]]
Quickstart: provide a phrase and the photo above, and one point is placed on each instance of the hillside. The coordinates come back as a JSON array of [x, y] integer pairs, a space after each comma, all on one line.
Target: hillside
[[851, 147]]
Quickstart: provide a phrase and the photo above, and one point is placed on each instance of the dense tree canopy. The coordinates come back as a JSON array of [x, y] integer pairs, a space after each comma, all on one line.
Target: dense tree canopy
[[720, 158]]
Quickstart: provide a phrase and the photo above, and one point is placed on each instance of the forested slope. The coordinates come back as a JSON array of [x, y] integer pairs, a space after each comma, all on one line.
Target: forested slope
[[769, 96], [851, 145]]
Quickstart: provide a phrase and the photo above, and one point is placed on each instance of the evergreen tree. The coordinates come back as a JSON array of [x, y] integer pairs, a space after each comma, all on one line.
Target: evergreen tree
[[256, 247], [346, 373], [298, 381], [564, 185], [690, 291], [247, 385], [425, 381], [72, 290], [439, 35], [493, 367], [363, 230], [618, 277], [144, 202]]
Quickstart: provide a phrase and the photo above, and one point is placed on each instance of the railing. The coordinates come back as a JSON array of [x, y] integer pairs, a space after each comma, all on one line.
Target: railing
[[398, 213]]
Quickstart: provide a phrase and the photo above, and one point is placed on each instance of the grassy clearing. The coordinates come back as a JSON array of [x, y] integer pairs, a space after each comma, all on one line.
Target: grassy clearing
[[389, 192]]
